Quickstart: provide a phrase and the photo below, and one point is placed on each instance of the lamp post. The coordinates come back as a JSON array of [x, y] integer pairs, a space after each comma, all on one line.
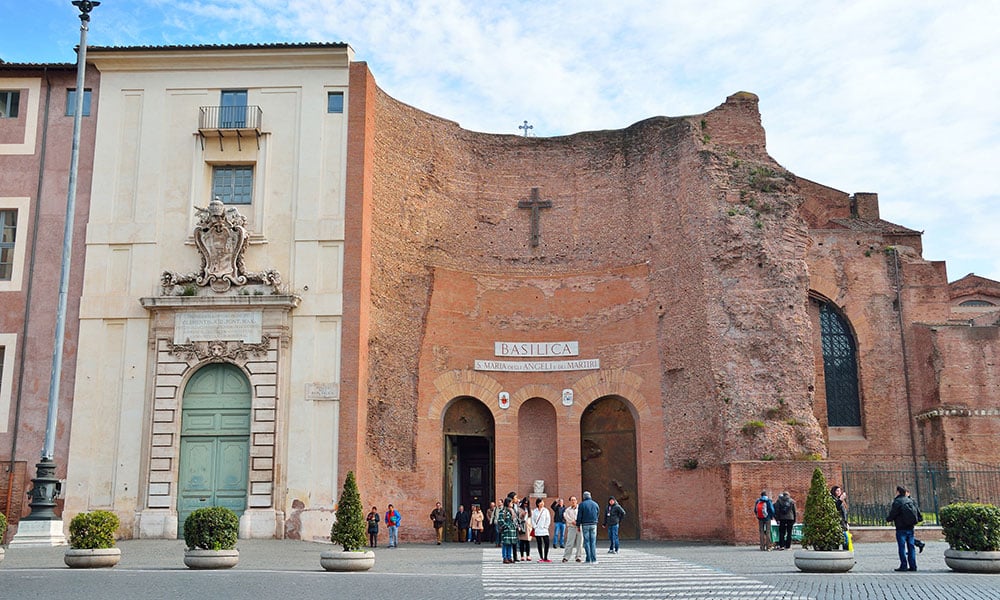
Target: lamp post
[[43, 526]]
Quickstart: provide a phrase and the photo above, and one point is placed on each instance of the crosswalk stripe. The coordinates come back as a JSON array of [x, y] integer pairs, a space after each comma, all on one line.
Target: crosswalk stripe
[[630, 574]]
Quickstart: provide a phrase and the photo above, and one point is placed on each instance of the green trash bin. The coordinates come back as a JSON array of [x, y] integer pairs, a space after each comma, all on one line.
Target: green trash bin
[[796, 533], [774, 532]]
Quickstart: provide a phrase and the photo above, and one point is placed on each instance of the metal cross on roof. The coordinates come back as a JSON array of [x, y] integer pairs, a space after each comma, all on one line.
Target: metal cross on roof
[[525, 127]]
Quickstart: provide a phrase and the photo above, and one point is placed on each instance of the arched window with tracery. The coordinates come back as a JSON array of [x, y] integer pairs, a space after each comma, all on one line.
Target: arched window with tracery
[[840, 368]]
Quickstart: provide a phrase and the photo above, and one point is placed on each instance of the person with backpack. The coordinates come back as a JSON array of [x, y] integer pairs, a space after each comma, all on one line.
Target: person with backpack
[[763, 509], [784, 512], [905, 514]]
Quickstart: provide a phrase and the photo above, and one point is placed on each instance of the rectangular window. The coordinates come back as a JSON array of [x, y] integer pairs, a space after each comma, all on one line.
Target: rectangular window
[[71, 102], [8, 235], [233, 112], [335, 102], [9, 100], [233, 185], [8, 347]]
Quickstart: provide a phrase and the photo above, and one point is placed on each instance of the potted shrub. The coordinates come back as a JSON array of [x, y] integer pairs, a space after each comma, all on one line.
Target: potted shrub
[[821, 531], [349, 531], [92, 541], [973, 534], [3, 531], [210, 536]]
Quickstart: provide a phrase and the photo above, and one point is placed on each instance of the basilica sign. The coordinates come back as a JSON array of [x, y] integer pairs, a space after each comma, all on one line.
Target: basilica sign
[[536, 349]]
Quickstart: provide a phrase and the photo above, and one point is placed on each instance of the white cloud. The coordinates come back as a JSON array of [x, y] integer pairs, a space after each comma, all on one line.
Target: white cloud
[[896, 97]]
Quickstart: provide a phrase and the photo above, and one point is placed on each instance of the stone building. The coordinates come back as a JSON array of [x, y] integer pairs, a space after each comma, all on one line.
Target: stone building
[[36, 131], [190, 390], [661, 313]]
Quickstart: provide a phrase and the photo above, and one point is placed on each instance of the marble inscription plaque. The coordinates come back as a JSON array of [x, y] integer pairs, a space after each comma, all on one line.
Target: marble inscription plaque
[[218, 325]]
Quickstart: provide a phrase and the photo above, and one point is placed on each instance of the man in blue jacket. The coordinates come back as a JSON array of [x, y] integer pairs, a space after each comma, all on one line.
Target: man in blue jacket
[[587, 516], [763, 509]]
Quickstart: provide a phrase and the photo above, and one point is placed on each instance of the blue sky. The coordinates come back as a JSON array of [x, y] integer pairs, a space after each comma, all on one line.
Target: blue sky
[[891, 96]]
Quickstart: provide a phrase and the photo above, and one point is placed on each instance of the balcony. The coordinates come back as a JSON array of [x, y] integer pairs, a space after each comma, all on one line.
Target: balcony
[[230, 121]]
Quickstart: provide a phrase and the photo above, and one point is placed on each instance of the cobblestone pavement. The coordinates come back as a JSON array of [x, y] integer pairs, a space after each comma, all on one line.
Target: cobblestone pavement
[[284, 568]]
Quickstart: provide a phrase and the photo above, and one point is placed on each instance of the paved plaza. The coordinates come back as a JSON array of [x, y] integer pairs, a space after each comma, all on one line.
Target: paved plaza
[[643, 570]]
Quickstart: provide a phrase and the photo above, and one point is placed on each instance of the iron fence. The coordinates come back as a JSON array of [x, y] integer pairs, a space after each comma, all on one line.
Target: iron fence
[[870, 489]]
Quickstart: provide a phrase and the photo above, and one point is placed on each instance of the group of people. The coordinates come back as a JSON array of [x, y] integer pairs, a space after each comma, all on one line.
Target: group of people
[[392, 521], [903, 514], [574, 526]]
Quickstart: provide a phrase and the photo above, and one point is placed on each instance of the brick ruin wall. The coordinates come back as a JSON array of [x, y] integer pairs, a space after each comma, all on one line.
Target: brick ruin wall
[[696, 198]]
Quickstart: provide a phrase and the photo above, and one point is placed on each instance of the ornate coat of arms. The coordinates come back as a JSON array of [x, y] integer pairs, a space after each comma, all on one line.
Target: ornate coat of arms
[[222, 239]]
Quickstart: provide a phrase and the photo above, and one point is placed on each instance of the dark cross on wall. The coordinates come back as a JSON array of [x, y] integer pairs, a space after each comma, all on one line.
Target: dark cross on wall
[[536, 205]]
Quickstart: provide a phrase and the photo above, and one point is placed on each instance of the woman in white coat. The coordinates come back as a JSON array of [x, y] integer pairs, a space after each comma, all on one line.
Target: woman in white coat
[[541, 519]]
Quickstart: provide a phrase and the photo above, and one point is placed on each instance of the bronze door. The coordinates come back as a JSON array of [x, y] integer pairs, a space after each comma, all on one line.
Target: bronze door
[[607, 438]]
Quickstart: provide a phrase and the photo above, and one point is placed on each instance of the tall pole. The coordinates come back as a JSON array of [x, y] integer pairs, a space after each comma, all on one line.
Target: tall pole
[[46, 485]]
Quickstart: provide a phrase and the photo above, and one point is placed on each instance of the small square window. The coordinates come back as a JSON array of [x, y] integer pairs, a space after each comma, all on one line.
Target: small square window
[[9, 99], [233, 185], [335, 102], [71, 102]]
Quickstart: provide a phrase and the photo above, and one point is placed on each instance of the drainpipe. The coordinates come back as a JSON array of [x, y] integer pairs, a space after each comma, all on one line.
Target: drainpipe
[[27, 299], [906, 372]]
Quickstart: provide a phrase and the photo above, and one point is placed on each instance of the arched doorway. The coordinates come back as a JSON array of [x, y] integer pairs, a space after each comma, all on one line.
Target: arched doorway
[[468, 456], [215, 441], [607, 440]]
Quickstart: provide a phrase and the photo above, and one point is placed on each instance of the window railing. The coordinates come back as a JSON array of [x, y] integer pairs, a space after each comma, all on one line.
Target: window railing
[[230, 117]]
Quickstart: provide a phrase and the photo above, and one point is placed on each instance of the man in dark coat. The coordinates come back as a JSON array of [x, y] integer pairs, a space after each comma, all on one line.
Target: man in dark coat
[[904, 514]]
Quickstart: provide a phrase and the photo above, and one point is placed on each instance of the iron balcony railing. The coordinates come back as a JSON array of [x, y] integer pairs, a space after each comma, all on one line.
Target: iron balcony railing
[[230, 117]]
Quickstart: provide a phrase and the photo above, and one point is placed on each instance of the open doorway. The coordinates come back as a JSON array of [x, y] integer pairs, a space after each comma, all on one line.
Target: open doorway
[[468, 457]]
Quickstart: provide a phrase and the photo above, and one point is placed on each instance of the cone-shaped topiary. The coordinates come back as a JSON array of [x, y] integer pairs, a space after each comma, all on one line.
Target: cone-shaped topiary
[[93, 530], [3, 526], [349, 529], [821, 528]]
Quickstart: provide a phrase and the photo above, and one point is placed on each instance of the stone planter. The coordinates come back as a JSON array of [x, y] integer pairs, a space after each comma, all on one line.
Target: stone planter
[[211, 559], [1, 554], [96, 558], [830, 561], [969, 561], [334, 560]]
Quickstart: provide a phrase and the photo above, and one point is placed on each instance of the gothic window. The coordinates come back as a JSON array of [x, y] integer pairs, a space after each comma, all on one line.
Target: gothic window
[[840, 367]]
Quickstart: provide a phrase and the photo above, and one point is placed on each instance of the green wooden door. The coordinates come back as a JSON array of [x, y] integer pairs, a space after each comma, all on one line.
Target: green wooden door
[[215, 441]]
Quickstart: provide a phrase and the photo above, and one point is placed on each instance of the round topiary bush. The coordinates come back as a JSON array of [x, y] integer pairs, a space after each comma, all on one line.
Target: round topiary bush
[[93, 530], [971, 527], [211, 528], [821, 528], [350, 527]]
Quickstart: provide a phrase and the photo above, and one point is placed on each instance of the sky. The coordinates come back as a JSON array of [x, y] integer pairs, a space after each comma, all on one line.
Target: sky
[[897, 97]]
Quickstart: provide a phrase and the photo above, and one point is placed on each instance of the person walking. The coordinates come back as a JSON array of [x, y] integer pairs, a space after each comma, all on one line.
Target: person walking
[[558, 524], [392, 520], [763, 509], [613, 516], [461, 522], [524, 531], [904, 514], [490, 523], [373, 518], [476, 524], [574, 537], [438, 518], [784, 512], [587, 516], [541, 520], [507, 530]]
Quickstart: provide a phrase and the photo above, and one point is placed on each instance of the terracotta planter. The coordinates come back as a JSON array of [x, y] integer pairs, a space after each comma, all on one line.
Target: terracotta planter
[[831, 561], [969, 561], [211, 559], [97, 558], [333, 560]]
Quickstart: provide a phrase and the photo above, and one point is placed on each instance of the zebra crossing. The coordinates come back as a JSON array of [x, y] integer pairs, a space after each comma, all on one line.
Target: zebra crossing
[[630, 574]]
